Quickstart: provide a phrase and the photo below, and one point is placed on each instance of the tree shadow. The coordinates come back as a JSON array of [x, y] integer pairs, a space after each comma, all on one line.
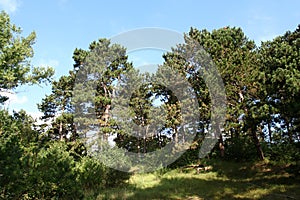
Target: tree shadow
[[227, 180], [195, 188]]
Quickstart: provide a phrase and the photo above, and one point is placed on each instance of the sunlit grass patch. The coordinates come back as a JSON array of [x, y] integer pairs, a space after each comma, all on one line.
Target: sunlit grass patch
[[227, 181], [144, 180]]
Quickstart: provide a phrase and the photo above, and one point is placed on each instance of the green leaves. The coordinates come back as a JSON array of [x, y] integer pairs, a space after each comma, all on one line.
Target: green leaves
[[280, 59], [262, 96], [15, 54]]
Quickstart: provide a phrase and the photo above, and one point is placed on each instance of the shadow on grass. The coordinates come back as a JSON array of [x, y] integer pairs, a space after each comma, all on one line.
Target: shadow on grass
[[228, 181], [192, 188]]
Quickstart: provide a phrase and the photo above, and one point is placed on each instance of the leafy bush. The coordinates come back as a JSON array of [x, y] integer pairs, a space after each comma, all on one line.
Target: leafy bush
[[11, 178], [284, 152], [115, 158], [188, 157], [240, 149], [91, 174], [53, 175]]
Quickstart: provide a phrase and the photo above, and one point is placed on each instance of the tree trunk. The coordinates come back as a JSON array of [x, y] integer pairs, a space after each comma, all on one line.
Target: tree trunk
[[259, 150], [176, 135], [144, 144], [105, 116], [60, 131], [221, 146], [159, 140], [269, 121], [289, 131], [261, 133], [105, 119], [269, 131], [139, 148]]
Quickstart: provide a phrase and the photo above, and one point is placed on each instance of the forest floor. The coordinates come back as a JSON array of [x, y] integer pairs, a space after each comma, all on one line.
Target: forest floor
[[226, 180]]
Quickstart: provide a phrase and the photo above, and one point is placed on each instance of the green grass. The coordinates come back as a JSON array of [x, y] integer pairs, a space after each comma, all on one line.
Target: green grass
[[227, 180]]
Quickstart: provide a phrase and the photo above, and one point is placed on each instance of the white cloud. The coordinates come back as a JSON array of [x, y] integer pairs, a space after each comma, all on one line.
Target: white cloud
[[142, 64], [37, 117], [267, 36], [258, 17], [262, 26], [137, 60], [13, 98], [10, 6], [19, 100], [48, 63], [146, 60]]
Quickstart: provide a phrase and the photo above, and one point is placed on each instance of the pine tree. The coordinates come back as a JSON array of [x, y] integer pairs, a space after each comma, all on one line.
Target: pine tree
[[235, 57], [280, 60], [15, 54], [58, 109]]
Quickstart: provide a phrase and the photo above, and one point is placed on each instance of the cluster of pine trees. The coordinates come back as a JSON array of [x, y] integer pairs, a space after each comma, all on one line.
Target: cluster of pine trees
[[52, 160]]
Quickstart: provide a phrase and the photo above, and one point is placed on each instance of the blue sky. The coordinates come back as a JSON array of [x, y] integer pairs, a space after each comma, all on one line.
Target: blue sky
[[63, 25]]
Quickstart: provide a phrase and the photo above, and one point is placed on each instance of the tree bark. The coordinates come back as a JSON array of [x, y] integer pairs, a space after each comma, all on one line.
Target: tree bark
[[139, 148], [269, 121], [144, 144], [259, 150], [60, 131], [105, 116], [176, 135], [269, 131], [221, 146], [289, 131]]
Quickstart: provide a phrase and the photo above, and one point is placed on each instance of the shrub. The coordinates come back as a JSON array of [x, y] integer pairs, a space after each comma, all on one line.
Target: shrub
[[240, 149], [53, 175]]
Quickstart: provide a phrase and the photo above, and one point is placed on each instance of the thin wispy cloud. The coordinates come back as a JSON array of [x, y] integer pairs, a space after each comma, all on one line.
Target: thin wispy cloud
[[258, 17], [10, 6], [48, 63], [138, 61], [62, 3], [13, 98], [262, 24], [37, 117], [268, 37]]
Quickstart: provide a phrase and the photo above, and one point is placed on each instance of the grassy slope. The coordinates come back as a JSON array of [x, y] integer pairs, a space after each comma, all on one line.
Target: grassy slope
[[227, 180]]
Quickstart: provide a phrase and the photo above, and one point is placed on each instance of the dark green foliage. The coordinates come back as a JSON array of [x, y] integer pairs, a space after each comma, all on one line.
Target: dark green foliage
[[33, 170], [280, 59], [240, 149], [53, 162], [188, 157], [283, 152], [33, 163], [53, 175], [58, 108], [11, 176], [91, 174], [116, 178]]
